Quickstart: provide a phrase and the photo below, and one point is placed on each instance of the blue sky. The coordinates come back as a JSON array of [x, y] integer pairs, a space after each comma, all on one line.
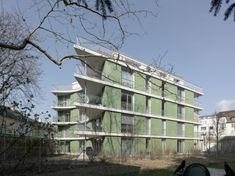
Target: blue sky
[[198, 45]]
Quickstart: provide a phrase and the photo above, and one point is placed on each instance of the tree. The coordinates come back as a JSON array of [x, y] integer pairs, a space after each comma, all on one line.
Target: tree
[[216, 7], [218, 124], [19, 70], [89, 18]]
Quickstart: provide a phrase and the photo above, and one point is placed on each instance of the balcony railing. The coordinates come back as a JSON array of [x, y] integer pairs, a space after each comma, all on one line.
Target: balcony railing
[[97, 100], [66, 118], [116, 54], [103, 76], [94, 100], [66, 134], [65, 87], [62, 103], [81, 69], [197, 103]]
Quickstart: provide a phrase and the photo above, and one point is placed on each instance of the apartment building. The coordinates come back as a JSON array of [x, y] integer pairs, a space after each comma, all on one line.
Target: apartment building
[[125, 107], [222, 125]]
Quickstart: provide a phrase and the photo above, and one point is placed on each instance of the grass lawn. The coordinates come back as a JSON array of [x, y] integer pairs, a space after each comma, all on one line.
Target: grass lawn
[[220, 165], [161, 172]]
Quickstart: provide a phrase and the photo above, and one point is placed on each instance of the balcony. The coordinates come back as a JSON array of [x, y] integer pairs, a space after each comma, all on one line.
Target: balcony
[[63, 105], [93, 100], [197, 104], [83, 45], [66, 134], [95, 104]]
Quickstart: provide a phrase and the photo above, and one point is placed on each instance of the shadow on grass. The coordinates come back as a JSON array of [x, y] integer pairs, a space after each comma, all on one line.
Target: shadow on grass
[[72, 167], [157, 172], [95, 168]]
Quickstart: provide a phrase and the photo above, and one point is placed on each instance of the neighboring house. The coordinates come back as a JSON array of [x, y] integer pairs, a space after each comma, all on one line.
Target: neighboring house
[[20, 135], [225, 132], [126, 107], [13, 123]]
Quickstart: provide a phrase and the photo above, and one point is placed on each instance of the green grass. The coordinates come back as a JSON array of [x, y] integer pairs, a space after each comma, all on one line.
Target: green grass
[[221, 165], [162, 172]]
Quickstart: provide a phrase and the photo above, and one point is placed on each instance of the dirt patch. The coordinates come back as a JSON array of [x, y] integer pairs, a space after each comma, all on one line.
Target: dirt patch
[[69, 165]]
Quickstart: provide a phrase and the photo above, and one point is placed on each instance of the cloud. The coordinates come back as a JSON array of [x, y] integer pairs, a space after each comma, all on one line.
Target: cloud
[[225, 105]]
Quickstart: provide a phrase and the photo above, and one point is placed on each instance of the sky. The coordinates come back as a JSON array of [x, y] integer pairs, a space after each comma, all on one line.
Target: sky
[[198, 45]]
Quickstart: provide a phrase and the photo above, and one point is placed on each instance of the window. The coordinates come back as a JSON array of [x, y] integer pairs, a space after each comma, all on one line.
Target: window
[[67, 147], [127, 79], [180, 146], [180, 94], [127, 124], [63, 100], [180, 129], [67, 117], [180, 112], [64, 116], [203, 128], [223, 126], [126, 101]]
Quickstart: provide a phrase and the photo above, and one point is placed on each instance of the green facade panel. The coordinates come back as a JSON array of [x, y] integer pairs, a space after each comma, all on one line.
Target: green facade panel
[[111, 72], [171, 145], [140, 103], [156, 127], [74, 115], [111, 122], [74, 98], [139, 145], [74, 147], [111, 97], [140, 125], [189, 130], [156, 106], [112, 146], [171, 128], [171, 110], [156, 88], [156, 147], [171, 91], [140, 81], [189, 97], [189, 113], [189, 145]]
